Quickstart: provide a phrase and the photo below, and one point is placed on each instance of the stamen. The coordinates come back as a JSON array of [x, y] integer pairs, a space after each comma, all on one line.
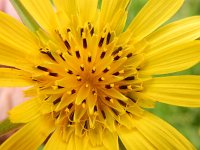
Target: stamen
[[61, 56], [69, 71], [42, 68], [101, 79], [122, 103], [92, 31], [101, 42], [67, 44], [78, 78], [115, 111], [57, 101], [123, 87], [84, 43], [117, 50], [78, 54], [82, 67], [53, 74], [81, 32], [108, 38], [70, 106], [109, 86], [107, 69], [48, 54], [129, 55], [130, 78], [93, 69], [116, 73], [89, 59], [68, 30], [103, 114], [103, 54]]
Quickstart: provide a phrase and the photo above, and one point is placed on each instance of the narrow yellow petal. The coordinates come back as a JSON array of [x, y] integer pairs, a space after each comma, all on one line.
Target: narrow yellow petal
[[133, 139], [56, 142], [152, 15], [172, 59], [82, 93], [42, 11], [175, 90], [31, 136], [87, 9], [110, 140], [25, 112], [161, 134], [174, 33], [10, 77]]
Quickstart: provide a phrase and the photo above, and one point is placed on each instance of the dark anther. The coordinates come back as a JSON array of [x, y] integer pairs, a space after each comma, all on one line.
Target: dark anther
[[78, 54], [89, 25], [43, 68], [103, 54], [92, 31], [107, 98], [116, 58], [133, 100], [130, 78], [100, 79], [53, 74], [89, 58], [108, 38], [84, 101], [70, 72], [105, 70], [82, 68], [95, 108], [71, 117], [86, 125], [61, 56], [68, 30], [122, 103], [57, 101], [49, 54], [138, 69], [103, 114], [82, 32], [123, 87], [115, 111], [70, 106], [73, 91], [117, 50], [84, 43], [67, 44], [101, 42], [108, 86], [60, 87], [129, 55], [116, 73]]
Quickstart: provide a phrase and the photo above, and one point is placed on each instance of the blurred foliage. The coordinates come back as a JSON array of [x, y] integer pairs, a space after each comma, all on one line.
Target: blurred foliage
[[186, 120]]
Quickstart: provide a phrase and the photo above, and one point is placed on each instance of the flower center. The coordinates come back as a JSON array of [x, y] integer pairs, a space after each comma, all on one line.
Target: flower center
[[88, 78]]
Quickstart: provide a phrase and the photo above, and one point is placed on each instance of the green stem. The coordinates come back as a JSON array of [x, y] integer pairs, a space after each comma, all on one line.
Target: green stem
[[6, 126], [25, 16]]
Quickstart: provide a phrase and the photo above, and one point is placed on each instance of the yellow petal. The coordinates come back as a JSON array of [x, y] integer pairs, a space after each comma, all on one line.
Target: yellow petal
[[82, 93], [10, 77], [175, 90], [17, 43], [152, 15], [153, 133], [172, 59], [110, 140], [161, 134], [42, 11], [133, 139], [174, 33], [25, 112], [56, 142], [109, 9], [87, 9], [31, 136]]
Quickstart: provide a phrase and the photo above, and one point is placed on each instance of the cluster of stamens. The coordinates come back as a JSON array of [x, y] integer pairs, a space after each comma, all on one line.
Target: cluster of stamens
[[89, 80]]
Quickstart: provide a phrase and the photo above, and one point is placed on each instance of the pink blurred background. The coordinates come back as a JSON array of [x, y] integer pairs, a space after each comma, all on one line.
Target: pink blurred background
[[9, 97]]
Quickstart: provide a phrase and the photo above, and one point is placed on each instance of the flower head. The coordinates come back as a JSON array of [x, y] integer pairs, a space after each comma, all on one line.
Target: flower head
[[90, 78]]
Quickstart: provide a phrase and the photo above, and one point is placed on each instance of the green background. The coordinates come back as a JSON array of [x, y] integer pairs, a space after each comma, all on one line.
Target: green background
[[186, 120]]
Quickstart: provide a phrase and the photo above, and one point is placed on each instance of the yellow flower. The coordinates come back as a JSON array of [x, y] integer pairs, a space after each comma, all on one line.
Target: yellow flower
[[90, 79]]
